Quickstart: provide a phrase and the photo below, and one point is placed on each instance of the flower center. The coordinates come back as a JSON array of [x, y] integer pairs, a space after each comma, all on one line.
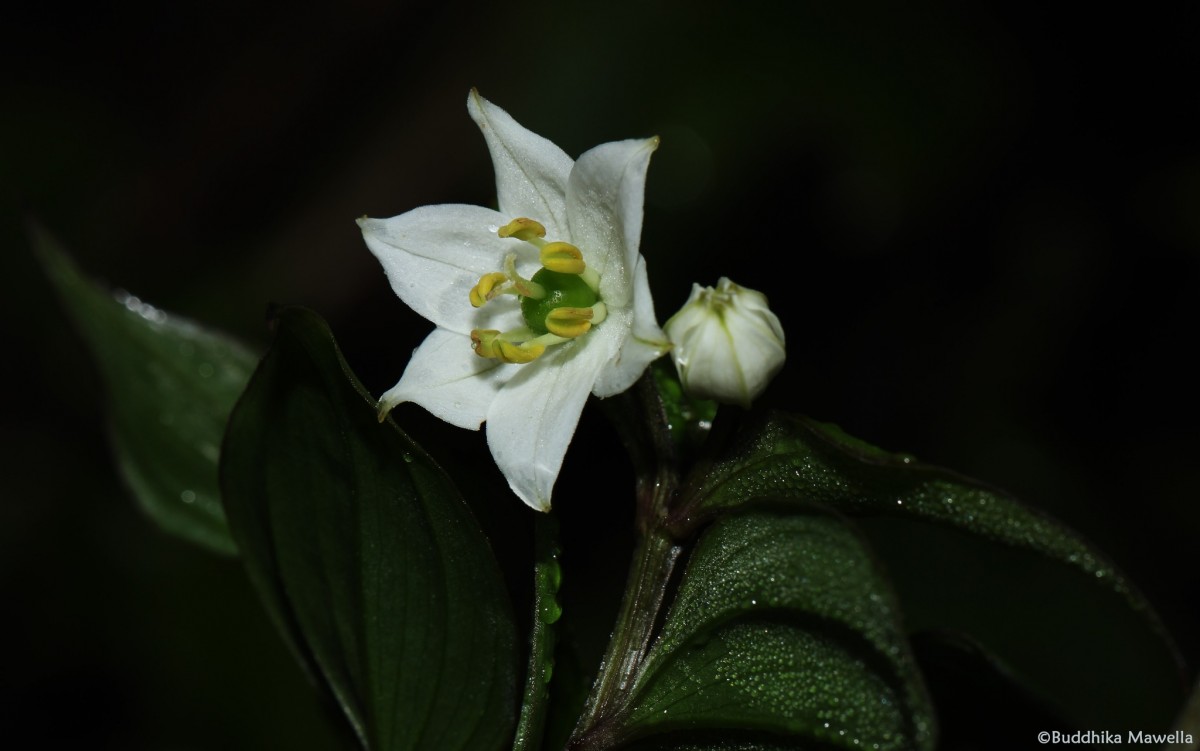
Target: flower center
[[560, 303], [564, 293]]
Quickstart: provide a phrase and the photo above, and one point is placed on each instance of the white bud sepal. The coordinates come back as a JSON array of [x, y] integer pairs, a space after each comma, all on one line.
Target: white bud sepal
[[726, 342]]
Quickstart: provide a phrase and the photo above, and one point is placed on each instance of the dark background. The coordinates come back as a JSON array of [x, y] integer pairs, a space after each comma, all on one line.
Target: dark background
[[980, 227]]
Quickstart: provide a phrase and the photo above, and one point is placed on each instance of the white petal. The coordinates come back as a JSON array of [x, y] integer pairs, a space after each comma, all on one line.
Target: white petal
[[728, 345], [446, 377], [604, 204], [531, 172], [434, 255], [758, 346], [644, 343], [533, 418], [711, 367]]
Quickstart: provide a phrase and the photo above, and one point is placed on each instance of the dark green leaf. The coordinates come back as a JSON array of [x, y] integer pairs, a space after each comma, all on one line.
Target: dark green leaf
[[973, 690], [958, 581], [171, 386], [1074, 646], [783, 624], [788, 460], [366, 555]]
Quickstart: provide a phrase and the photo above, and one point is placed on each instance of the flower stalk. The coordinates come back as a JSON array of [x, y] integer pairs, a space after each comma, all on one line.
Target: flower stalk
[[641, 422], [547, 576]]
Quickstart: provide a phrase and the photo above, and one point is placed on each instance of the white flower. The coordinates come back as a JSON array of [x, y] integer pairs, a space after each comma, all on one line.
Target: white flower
[[536, 305], [727, 343]]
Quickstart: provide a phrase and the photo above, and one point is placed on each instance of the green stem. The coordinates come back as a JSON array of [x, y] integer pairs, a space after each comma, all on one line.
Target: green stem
[[653, 563], [547, 575], [640, 420]]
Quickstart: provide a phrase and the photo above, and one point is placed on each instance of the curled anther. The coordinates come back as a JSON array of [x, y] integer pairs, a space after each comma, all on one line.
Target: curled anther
[[483, 341], [562, 257], [569, 322], [519, 353], [522, 228], [493, 345], [487, 288]]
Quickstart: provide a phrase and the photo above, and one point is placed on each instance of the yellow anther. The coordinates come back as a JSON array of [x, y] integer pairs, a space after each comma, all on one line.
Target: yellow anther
[[564, 258], [519, 353], [483, 341], [522, 228], [486, 288], [569, 322], [490, 344]]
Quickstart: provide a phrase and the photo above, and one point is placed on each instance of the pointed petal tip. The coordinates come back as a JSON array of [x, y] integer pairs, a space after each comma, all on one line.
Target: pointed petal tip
[[530, 496], [476, 105], [366, 224], [385, 406]]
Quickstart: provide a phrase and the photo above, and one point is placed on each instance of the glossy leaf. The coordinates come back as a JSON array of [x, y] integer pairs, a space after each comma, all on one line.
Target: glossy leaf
[[366, 554], [973, 690], [783, 624], [1024, 598], [787, 460], [171, 386], [1079, 648]]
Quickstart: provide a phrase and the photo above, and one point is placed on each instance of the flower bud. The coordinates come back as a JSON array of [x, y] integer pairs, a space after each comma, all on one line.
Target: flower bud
[[727, 343]]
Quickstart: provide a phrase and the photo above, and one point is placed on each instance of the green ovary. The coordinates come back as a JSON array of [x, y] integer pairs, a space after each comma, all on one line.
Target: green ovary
[[562, 291]]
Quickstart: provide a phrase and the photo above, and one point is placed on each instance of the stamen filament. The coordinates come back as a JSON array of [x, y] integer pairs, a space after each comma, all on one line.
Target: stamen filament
[[522, 334], [591, 279], [524, 287], [548, 340], [558, 303]]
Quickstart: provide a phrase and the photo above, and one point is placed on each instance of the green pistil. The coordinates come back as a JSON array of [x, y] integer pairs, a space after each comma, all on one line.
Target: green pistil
[[562, 291]]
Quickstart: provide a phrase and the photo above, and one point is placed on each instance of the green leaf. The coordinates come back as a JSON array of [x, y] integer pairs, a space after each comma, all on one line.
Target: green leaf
[[1025, 599], [786, 460], [171, 386], [784, 624], [973, 690], [1076, 647], [366, 555]]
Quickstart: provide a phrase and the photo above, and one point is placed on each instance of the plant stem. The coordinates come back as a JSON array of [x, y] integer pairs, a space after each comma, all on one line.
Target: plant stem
[[547, 575], [640, 420], [653, 562]]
